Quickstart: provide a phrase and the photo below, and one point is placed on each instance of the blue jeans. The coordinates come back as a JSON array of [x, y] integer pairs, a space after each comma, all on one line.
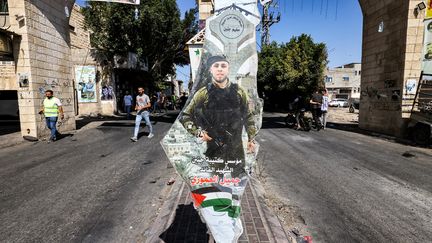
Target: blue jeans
[[139, 117], [51, 124], [127, 110]]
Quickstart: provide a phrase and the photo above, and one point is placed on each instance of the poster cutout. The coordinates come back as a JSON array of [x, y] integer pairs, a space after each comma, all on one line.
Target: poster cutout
[[212, 143], [85, 79]]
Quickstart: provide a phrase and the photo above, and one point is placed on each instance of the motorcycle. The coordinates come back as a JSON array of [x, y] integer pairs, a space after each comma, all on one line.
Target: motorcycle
[[304, 122]]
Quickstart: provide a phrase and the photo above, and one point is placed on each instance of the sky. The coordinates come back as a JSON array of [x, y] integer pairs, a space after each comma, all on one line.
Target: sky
[[337, 23]]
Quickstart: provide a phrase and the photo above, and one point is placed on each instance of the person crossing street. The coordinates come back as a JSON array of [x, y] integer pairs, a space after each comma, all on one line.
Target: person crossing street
[[142, 107], [52, 108]]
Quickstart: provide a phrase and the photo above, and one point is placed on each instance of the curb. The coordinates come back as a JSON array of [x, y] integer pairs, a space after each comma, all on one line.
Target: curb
[[271, 222]]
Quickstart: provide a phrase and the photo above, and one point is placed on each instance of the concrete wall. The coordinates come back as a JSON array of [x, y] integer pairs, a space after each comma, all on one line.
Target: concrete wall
[[388, 58]]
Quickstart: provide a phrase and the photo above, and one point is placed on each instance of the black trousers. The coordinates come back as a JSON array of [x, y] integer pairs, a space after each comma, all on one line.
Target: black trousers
[[316, 114]]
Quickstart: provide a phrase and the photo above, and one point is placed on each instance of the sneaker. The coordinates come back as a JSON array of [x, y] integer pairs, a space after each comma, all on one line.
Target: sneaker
[[150, 135], [134, 139]]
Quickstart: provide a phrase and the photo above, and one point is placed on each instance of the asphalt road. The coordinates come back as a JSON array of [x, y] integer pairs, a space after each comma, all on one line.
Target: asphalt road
[[348, 187], [96, 186]]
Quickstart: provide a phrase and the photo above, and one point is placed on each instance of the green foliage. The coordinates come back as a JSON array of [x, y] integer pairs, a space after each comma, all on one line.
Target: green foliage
[[293, 68], [158, 34]]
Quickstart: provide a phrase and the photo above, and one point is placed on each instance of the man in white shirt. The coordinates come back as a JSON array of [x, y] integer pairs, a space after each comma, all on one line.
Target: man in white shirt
[[142, 107]]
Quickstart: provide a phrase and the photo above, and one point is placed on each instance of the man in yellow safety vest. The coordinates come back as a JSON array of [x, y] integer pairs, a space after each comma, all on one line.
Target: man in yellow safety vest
[[51, 108]]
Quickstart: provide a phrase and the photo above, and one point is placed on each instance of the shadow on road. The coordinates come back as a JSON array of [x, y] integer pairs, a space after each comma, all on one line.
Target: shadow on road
[[9, 124], [273, 122], [121, 121], [186, 227]]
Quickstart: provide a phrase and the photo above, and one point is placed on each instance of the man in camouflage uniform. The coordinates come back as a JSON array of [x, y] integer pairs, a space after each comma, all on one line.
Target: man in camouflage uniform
[[218, 113]]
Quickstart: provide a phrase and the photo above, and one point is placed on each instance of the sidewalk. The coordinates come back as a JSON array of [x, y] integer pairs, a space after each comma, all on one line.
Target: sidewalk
[[178, 221]]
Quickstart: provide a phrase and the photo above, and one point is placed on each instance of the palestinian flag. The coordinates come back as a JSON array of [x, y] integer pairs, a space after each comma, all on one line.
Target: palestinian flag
[[220, 198]]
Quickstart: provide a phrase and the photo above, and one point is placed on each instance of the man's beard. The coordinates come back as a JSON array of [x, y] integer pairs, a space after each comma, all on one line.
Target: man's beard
[[221, 80]]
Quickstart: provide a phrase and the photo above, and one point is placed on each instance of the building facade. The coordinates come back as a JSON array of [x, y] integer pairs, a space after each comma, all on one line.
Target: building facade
[[343, 81], [43, 45], [38, 58]]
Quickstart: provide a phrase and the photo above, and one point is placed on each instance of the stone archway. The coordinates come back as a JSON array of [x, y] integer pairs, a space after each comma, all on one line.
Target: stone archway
[[389, 58]]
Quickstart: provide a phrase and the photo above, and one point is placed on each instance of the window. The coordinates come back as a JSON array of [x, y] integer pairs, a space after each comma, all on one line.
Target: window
[[328, 79], [6, 52], [72, 28], [4, 7], [345, 78]]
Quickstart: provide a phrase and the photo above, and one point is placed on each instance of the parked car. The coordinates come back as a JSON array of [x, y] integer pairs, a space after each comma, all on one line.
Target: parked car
[[338, 103], [354, 104]]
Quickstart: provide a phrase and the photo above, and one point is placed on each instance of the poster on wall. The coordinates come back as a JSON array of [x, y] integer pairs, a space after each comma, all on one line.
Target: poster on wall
[[107, 92], [411, 86], [428, 9], [85, 80], [427, 48], [212, 143]]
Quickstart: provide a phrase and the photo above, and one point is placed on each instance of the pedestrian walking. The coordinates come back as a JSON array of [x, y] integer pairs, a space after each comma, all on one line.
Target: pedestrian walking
[[324, 108], [142, 107], [156, 103], [127, 101], [183, 100], [52, 108], [316, 102], [162, 103]]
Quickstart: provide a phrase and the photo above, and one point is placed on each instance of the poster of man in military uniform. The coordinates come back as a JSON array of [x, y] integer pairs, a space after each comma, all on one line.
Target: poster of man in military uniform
[[212, 144]]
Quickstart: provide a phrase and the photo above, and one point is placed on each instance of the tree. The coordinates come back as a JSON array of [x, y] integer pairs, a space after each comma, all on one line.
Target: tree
[[158, 33], [294, 68]]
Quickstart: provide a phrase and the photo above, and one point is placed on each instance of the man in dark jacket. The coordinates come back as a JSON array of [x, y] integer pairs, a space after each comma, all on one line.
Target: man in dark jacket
[[316, 102]]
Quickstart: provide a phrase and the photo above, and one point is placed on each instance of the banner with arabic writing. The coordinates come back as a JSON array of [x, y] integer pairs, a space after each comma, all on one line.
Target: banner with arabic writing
[[134, 2], [212, 143]]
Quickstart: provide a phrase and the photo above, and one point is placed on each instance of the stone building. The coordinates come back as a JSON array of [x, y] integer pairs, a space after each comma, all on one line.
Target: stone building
[[83, 56], [343, 81], [46, 44], [38, 59]]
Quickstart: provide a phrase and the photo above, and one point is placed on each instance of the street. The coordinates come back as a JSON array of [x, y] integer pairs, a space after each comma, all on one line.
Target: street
[[95, 186], [340, 186], [98, 186]]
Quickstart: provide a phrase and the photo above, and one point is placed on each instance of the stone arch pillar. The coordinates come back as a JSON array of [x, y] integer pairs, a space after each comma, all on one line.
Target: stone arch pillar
[[389, 58]]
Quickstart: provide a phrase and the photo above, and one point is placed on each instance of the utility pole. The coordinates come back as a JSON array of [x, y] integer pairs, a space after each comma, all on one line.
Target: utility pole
[[268, 20]]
